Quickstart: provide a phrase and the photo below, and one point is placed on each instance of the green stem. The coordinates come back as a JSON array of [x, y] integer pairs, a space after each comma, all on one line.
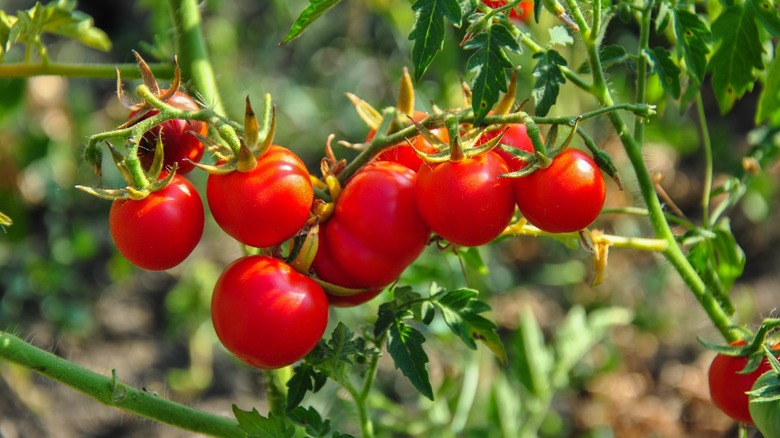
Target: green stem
[[191, 47], [276, 389], [673, 252], [112, 392], [101, 71], [641, 71], [361, 404], [705, 138]]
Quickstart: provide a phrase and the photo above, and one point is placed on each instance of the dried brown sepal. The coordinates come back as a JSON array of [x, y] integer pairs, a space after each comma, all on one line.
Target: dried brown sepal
[[330, 165], [307, 250], [406, 94], [600, 257], [323, 210], [366, 112], [146, 74], [504, 105]]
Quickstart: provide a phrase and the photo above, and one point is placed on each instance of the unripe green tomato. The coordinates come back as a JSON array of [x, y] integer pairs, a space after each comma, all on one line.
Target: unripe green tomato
[[766, 415]]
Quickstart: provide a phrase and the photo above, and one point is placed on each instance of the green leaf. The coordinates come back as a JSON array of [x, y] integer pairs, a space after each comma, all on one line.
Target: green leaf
[[560, 36], [729, 256], [769, 102], [667, 70], [767, 13], [428, 31], [80, 27], [310, 14], [533, 362], [311, 421], [579, 332], [404, 344], [473, 259], [549, 78], [461, 311], [305, 378], [488, 65], [738, 56], [255, 425], [343, 345], [692, 36]]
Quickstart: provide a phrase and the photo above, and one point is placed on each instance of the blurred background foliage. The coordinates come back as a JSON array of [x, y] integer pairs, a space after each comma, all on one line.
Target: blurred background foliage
[[63, 283]]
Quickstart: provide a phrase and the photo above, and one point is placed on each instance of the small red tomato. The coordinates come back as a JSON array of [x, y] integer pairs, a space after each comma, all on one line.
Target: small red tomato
[[179, 145], [267, 314], [161, 230], [466, 202], [329, 270], [265, 206], [728, 388], [375, 232], [516, 137], [404, 153], [524, 14], [567, 196]]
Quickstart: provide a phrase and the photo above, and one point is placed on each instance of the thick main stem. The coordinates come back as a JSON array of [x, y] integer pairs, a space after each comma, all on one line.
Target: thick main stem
[[193, 54], [112, 392]]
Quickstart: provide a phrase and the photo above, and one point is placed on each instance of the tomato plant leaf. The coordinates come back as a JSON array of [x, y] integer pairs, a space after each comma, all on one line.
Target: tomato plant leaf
[[461, 311], [256, 425], [343, 345], [692, 36], [311, 421], [429, 30], [488, 64], [404, 343], [549, 78], [738, 57], [309, 15], [769, 102], [667, 70], [532, 363], [304, 379], [729, 257], [767, 13], [560, 36]]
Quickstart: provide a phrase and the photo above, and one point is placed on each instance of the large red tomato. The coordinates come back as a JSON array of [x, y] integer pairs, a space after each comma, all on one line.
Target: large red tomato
[[179, 144], [728, 388], [265, 206], [516, 137], [266, 313], [161, 230], [466, 202], [376, 230], [567, 196]]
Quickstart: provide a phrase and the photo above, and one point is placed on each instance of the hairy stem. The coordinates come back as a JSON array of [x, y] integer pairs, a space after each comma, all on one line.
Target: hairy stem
[[193, 54], [110, 391]]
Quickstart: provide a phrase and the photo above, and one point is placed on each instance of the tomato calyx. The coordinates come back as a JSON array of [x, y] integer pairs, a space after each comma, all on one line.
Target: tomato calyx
[[754, 351]]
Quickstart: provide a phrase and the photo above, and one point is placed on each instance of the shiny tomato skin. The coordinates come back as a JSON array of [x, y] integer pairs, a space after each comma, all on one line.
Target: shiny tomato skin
[[265, 206], [516, 137], [404, 153], [179, 145], [161, 230], [728, 388], [376, 230], [267, 314], [565, 197], [329, 270], [466, 202]]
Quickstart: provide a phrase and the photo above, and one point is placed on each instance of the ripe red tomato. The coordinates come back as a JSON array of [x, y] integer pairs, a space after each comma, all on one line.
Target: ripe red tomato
[[466, 202], [265, 206], [376, 230], [179, 145], [404, 153], [267, 314], [161, 230], [525, 14], [329, 270], [564, 197], [516, 137], [728, 388]]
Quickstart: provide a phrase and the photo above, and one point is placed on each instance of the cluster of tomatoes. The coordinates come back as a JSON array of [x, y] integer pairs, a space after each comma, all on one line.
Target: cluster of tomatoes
[[381, 220]]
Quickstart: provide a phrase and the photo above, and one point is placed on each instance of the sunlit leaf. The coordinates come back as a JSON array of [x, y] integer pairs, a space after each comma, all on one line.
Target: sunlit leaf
[[767, 13], [256, 425], [461, 311], [692, 35], [309, 15], [489, 65], [738, 57], [667, 70], [429, 30], [549, 78], [769, 102]]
